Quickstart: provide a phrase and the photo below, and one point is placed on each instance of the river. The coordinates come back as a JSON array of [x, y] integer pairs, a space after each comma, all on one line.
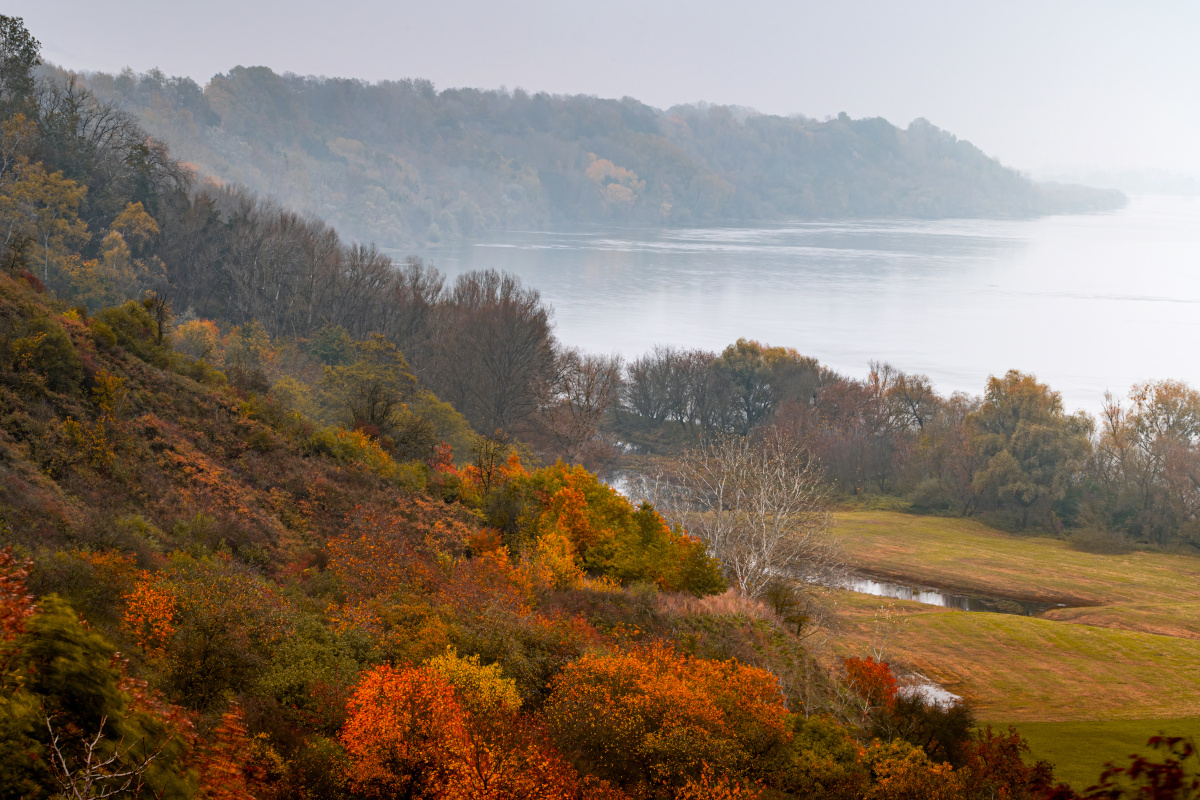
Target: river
[[1087, 302]]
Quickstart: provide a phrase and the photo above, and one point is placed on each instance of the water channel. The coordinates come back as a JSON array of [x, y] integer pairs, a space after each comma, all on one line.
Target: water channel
[[882, 587]]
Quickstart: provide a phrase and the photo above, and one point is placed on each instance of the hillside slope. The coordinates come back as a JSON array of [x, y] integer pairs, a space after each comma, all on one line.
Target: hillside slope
[[108, 440], [399, 163]]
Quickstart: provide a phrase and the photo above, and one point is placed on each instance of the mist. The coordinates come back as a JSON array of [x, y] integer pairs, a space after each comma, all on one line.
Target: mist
[[1069, 88]]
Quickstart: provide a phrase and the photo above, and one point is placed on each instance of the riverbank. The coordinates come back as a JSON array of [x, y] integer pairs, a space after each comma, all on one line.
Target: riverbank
[[1123, 662]]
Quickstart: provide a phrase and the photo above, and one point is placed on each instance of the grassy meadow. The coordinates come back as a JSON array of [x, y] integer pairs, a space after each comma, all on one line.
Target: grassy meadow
[[1079, 748], [1085, 684]]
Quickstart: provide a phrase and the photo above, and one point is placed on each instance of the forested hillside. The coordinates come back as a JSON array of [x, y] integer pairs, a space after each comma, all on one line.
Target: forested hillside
[[400, 163]]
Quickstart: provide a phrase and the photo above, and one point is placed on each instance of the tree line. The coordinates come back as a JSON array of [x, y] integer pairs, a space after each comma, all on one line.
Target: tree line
[[401, 163], [98, 212], [1014, 453]]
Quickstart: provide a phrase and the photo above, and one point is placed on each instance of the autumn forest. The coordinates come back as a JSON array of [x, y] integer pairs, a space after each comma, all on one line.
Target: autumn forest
[[284, 517]]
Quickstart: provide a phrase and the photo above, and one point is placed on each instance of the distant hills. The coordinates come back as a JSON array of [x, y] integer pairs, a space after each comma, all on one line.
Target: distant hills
[[402, 164]]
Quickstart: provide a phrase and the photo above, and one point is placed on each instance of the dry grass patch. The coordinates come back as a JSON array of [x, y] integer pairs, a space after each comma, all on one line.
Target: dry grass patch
[[728, 604]]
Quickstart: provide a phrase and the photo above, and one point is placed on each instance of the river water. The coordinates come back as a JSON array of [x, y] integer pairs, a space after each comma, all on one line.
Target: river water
[[1087, 302]]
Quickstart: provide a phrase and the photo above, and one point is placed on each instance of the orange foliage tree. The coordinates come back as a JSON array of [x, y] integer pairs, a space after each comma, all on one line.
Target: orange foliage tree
[[150, 615], [16, 604], [653, 716], [872, 683], [716, 787], [409, 734], [226, 771], [389, 568], [902, 771], [402, 730]]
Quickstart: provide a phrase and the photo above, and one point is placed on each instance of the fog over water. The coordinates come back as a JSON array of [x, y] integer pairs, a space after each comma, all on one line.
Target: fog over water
[[1088, 303]]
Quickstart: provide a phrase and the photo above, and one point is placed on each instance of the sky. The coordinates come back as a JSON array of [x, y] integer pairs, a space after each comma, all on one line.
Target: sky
[[1044, 86]]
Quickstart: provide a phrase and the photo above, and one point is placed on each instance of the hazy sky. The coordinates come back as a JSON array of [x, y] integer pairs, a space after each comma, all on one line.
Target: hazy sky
[[1042, 85]]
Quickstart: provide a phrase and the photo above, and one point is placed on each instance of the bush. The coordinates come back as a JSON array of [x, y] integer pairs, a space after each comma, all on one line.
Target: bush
[[942, 731], [653, 715], [356, 447], [46, 349], [103, 335], [1102, 542], [202, 372], [136, 331], [931, 495]]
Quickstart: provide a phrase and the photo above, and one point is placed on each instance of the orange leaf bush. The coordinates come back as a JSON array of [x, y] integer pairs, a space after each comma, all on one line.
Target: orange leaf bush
[[871, 681], [409, 735], [150, 615], [653, 716]]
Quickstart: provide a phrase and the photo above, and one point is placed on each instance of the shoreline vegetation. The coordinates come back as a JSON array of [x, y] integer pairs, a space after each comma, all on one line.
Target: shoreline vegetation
[[281, 517]]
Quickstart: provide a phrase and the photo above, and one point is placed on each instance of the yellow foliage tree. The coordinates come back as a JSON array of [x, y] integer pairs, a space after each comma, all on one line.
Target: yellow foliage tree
[[39, 208], [482, 687]]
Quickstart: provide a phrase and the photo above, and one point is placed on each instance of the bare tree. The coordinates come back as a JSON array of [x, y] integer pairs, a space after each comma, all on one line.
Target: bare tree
[[586, 387], [495, 350], [649, 381], [761, 507], [99, 769]]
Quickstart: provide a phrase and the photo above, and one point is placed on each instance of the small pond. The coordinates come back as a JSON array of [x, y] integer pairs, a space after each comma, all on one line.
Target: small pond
[[881, 587]]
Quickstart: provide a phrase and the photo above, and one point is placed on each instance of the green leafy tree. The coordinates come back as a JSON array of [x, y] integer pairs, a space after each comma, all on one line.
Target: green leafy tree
[[72, 722], [371, 390], [20, 54], [1034, 450], [332, 346], [750, 375]]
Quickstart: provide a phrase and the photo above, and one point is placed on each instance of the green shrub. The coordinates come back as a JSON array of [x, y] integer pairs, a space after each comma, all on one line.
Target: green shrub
[[136, 331], [46, 349], [1095, 540], [449, 426], [103, 335], [931, 495], [201, 372], [356, 447]]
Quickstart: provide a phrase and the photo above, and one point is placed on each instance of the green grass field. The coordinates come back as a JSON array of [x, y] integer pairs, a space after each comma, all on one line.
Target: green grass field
[[963, 554], [1086, 685], [1079, 749]]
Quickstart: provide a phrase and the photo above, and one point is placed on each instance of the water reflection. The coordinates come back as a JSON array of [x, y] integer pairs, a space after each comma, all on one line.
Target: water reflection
[[1089, 303], [937, 597]]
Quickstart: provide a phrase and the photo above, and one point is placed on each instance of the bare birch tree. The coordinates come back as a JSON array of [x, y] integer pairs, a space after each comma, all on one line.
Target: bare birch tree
[[759, 504]]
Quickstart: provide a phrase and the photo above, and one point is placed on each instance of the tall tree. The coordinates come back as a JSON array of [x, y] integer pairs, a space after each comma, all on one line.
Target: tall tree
[[20, 53], [496, 354], [1034, 450], [760, 505]]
